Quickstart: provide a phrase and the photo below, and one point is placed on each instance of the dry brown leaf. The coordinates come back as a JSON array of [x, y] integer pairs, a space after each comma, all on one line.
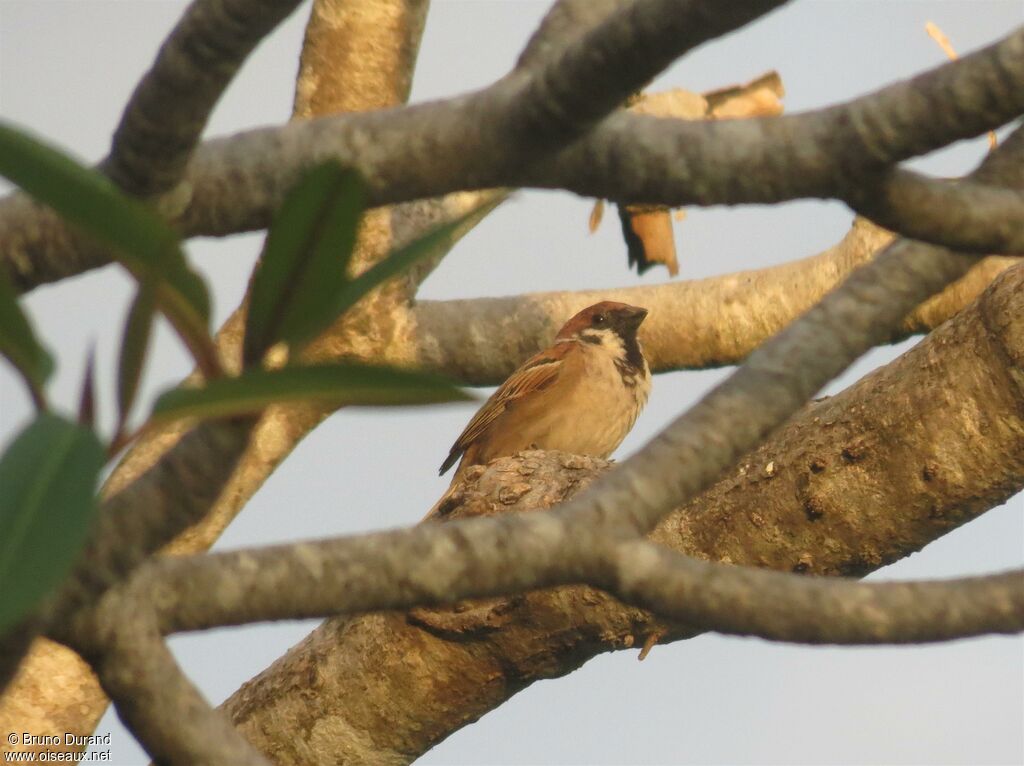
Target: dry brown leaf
[[647, 229], [757, 98], [596, 214]]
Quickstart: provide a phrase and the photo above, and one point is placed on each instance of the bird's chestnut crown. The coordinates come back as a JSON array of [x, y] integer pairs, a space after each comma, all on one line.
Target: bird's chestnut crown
[[606, 315]]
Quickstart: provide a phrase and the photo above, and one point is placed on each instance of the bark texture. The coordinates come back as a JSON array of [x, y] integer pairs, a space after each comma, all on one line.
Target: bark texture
[[852, 483]]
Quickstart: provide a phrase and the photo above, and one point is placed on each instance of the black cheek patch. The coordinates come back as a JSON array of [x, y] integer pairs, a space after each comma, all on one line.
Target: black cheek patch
[[634, 356]]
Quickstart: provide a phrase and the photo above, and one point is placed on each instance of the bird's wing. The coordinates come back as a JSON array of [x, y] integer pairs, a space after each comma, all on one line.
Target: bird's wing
[[538, 373]]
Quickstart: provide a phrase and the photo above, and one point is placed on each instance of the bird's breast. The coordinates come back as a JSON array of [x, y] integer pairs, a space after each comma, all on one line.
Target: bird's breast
[[588, 411], [601, 408]]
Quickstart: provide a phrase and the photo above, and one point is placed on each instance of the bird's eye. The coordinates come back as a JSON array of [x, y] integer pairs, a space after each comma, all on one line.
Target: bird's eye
[[600, 319]]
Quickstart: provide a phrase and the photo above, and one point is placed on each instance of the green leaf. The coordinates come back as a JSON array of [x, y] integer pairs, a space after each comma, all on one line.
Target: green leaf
[[141, 240], [19, 344], [81, 195], [295, 289], [49, 476], [403, 258], [138, 328], [332, 385]]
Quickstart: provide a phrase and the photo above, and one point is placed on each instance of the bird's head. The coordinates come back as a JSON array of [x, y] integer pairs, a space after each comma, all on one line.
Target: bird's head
[[604, 319]]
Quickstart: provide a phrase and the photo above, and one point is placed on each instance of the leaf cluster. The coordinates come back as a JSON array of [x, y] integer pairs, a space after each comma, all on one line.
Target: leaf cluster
[[51, 469]]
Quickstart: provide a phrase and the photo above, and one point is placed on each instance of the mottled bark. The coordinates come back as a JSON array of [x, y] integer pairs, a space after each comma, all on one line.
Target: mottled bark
[[850, 484]]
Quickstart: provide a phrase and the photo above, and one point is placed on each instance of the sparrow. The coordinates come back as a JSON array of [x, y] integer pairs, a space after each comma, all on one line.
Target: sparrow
[[581, 395]]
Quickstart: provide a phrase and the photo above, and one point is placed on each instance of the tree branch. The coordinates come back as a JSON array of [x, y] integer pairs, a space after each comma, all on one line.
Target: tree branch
[[343, 576], [961, 215], [597, 71], [817, 154], [171, 104], [564, 22], [164, 711], [850, 484], [780, 376], [785, 607], [828, 152], [432, 149], [677, 464], [693, 324], [358, 59]]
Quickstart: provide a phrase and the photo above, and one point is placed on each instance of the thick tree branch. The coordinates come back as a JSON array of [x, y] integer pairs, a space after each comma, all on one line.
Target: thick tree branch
[[164, 711], [39, 247], [170, 106], [338, 577], [959, 214], [788, 607], [781, 375], [599, 70], [564, 22], [830, 152], [683, 460], [432, 149], [692, 324], [965, 360], [357, 58], [851, 484], [26, 244]]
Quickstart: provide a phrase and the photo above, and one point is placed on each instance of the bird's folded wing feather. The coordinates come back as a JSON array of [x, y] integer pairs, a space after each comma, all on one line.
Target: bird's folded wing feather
[[537, 374]]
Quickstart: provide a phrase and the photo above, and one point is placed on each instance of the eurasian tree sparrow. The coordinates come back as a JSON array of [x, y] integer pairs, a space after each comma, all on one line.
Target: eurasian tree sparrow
[[581, 395]]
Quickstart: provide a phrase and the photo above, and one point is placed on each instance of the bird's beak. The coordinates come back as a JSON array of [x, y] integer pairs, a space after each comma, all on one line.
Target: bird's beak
[[632, 316]]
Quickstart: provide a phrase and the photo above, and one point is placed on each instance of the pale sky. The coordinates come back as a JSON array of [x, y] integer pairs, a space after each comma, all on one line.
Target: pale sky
[[66, 70]]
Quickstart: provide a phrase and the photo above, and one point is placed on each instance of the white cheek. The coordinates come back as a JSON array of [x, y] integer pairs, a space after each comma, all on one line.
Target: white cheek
[[613, 343], [606, 339]]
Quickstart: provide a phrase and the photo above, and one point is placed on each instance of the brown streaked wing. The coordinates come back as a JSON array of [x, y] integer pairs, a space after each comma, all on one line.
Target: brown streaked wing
[[536, 374]]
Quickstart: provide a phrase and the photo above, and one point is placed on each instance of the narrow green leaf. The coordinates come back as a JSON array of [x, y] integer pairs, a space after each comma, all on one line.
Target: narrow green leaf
[[49, 476], [403, 258], [81, 195], [19, 344], [333, 385], [141, 240], [138, 328], [294, 291]]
